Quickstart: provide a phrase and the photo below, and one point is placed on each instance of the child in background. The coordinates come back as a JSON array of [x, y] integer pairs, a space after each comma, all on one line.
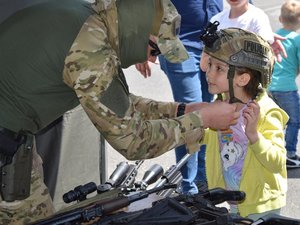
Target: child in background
[[283, 87], [250, 156], [242, 14]]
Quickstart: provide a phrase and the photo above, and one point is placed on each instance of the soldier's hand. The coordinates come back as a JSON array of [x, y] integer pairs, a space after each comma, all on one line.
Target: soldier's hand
[[219, 115]]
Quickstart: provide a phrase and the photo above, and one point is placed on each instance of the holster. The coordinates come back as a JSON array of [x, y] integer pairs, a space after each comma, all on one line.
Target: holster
[[15, 166]]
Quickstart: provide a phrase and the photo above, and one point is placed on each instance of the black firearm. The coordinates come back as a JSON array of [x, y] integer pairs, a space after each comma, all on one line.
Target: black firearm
[[119, 175], [219, 195], [131, 175], [80, 192], [196, 209], [97, 209], [122, 177], [172, 176], [150, 176]]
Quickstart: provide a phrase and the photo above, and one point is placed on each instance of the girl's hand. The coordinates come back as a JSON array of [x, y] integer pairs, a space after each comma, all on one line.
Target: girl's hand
[[251, 116]]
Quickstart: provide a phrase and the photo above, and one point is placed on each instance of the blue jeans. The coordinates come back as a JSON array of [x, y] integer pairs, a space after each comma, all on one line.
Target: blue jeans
[[188, 84], [290, 102]]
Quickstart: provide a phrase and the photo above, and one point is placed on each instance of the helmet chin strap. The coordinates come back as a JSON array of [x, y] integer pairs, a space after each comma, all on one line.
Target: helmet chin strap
[[230, 76]]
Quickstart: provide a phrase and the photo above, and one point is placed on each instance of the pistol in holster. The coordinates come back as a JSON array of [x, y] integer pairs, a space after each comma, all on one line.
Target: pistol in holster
[[15, 165]]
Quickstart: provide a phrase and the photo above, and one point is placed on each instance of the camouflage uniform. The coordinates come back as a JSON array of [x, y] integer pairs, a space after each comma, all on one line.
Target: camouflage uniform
[[91, 66], [141, 131]]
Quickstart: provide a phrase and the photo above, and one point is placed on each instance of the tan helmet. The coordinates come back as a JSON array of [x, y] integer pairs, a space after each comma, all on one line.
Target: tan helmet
[[238, 47]]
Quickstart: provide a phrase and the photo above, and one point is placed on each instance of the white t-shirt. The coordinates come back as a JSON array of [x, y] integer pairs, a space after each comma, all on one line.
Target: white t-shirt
[[254, 19]]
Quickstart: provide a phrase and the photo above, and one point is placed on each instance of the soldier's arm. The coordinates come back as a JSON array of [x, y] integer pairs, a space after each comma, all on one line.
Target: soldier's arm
[[152, 109], [92, 70]]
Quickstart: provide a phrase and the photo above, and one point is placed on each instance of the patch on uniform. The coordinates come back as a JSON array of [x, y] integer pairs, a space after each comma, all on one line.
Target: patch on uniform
[[116, 97]]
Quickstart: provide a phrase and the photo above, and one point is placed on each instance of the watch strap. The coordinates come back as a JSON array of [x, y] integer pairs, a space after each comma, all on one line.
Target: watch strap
[[180, 109]]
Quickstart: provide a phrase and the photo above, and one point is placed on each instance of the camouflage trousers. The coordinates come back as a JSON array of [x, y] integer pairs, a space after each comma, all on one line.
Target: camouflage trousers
[[37, 206]]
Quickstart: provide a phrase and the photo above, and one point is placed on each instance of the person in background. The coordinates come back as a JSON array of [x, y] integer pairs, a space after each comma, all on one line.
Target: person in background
[[283, 88], [187, 80], [249, 156], [243, 15]]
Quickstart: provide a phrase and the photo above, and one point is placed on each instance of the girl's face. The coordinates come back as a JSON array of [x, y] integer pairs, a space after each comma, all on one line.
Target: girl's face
[[216, 76]]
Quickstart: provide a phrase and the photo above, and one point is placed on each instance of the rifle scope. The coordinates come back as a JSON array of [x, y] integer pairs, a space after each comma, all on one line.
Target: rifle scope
[[80, 192]]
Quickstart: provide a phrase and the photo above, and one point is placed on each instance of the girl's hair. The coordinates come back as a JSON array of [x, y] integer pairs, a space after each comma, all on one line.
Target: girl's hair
[[253, 88]]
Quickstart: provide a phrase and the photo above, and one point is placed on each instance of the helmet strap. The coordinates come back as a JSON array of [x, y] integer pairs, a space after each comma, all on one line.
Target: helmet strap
[[230, 76]]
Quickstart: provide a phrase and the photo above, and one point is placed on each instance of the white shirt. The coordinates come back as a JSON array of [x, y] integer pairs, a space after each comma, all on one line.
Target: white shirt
[[254, 20]]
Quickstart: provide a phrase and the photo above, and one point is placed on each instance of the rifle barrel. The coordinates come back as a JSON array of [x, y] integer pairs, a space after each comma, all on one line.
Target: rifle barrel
[[172, 171]]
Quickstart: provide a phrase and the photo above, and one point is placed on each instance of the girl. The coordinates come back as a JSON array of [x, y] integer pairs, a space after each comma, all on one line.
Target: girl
[[250, 156]]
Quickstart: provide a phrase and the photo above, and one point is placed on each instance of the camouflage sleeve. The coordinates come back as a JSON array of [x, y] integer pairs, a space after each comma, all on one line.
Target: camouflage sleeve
[[139, 132], [153, 109]]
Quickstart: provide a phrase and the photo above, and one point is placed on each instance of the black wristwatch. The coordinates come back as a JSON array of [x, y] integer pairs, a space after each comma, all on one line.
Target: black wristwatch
[[180, 109]]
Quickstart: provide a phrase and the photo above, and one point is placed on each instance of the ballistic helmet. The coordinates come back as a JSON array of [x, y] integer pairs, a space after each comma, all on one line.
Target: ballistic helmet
[[241, 48]]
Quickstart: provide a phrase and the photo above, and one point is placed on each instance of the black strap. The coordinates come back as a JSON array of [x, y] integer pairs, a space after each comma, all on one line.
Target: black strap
[[181, 109], [155, 51], [230, 76]]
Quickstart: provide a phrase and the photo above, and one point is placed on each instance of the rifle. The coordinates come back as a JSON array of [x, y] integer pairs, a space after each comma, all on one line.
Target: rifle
[[123, 176], [196, 209], [130, 176], [80, 192], [115, 179], [97, 209], [150, 176], [172, 176]]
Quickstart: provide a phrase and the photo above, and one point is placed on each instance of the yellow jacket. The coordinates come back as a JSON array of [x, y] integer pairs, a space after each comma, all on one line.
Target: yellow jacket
[[264, 176]]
